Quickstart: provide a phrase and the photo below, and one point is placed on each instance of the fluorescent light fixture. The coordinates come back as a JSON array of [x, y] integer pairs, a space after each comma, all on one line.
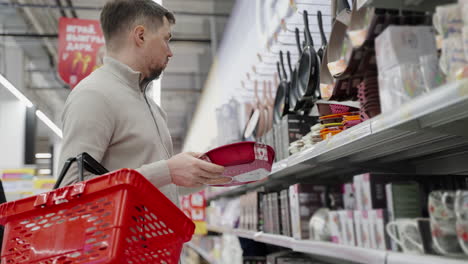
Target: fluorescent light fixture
[[7, 84], [43, 155], [49, 123], [45, 171]]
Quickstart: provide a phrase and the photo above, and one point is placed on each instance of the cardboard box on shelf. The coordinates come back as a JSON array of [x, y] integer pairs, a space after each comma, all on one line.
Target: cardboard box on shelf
[[370, 189], [399, 45], [361, 221], [347, 227], [335, 227], [349, 196], [305, 199], [379, 238]]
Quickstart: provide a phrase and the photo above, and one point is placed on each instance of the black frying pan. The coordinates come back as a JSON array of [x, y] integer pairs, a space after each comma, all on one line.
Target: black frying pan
[[308, 73], [292, 84], [321, 51], [294, 88], [279, 99], [286, 87]]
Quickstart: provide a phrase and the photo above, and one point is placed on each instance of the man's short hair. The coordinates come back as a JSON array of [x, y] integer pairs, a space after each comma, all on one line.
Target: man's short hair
[[122, 15]]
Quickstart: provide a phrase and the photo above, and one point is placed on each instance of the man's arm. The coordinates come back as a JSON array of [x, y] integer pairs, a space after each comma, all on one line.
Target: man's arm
[[88, 124]]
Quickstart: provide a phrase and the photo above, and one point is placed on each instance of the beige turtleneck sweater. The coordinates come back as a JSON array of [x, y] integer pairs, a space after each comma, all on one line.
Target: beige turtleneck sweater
[[109, 116]]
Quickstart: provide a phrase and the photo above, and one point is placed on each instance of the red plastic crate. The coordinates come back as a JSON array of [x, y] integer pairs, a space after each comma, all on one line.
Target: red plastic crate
[[119, 217]]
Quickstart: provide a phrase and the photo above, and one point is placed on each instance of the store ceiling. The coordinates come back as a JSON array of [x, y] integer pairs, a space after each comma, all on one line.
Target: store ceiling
[[196, 34]]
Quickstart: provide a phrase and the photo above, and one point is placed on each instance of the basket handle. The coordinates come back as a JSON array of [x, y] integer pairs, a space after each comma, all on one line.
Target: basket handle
[[85, 161]]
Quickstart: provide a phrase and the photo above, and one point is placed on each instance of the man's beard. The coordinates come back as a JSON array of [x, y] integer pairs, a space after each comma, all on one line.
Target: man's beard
[[155, 74]]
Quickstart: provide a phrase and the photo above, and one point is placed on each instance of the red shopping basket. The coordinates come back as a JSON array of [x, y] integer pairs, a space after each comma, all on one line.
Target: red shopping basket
[[119, 217]]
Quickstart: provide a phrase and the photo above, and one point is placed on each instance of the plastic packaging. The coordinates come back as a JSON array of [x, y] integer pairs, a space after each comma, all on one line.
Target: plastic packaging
[[399, 85]]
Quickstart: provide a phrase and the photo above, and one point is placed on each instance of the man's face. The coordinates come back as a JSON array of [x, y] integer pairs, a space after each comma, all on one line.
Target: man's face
[[157, 51]]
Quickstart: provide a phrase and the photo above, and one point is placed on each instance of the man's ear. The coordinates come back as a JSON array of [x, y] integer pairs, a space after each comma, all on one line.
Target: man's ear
[[139, 35]]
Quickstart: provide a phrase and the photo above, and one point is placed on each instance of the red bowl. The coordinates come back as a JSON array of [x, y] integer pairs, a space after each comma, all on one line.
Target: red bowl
[[237, 154], [244, 162]]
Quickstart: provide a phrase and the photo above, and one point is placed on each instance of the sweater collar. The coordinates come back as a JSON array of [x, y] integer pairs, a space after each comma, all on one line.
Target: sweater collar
[[125, 73]]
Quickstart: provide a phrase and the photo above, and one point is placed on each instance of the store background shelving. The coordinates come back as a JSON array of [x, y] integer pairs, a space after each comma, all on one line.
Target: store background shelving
[[205, 255], [339, 253], [426, 136]]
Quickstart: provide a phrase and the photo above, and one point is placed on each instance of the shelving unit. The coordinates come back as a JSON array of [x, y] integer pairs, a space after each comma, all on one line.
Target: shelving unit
[[202, 253], [424, 5], [335, 251], [426, 136]]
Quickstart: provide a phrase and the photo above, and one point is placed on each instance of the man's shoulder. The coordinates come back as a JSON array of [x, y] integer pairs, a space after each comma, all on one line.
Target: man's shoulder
[[97, 80]]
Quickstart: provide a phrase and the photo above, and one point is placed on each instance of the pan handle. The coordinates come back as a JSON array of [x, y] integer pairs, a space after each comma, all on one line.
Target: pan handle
[[322, 33], [288, 55], [279, 71], [282, 66], [298, 41], [309, 41]]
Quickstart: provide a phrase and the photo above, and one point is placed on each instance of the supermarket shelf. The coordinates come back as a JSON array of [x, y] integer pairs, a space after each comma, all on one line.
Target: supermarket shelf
[[335, 251], [426, 136], [424, 5], [400, 258], [202, 253]]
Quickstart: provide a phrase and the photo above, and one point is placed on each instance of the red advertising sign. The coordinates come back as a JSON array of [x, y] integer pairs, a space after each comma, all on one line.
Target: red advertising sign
[[81, 49]]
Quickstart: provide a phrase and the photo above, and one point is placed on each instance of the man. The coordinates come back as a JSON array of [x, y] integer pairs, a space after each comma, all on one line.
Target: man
[[109, 115]]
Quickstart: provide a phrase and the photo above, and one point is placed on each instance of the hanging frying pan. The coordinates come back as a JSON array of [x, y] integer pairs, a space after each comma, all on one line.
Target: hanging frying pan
[[321, 50], [252, 127], [279, 99], [336, 62], [261, 124], [294, 87], [271, 105], [265, 109], [285, 84], [292, 84], [308, 72]]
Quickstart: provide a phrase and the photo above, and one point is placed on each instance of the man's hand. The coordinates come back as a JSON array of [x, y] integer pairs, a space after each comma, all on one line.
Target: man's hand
[[188, 170]]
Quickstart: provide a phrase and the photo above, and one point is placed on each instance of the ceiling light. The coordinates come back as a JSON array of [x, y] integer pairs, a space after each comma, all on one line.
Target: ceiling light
[[49, 123], [7, 84], [43, 155]]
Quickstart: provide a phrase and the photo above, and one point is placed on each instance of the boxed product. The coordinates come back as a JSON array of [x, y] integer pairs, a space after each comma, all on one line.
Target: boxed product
[[349, 199], [276, 213], [293, 128], [305, 199], [254, 260], [398, 51], [334, 197], [378, 236], [288, 257], [285, 215], [335, 227], [370, 189], [347, 223], [399, 45], [260, 212], [362, 226], [403, 201]]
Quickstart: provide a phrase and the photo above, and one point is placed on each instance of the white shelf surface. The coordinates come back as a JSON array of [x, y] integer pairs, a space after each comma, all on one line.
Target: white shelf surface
[[336, 251], [400, 258], [205, 255]]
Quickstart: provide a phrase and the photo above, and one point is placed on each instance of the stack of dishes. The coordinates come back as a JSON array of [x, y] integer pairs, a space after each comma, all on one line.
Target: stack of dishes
[[368, 94]]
